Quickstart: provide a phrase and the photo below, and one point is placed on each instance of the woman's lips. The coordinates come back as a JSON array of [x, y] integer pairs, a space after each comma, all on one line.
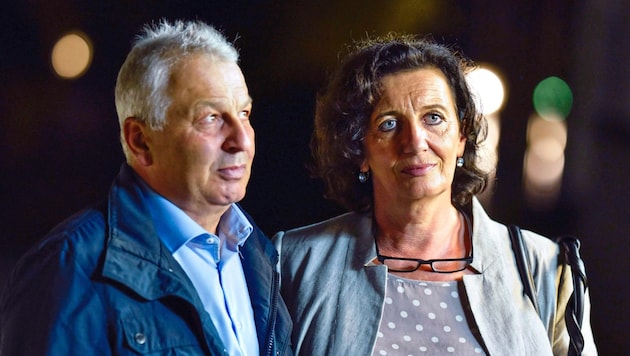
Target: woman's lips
[[417, 170]]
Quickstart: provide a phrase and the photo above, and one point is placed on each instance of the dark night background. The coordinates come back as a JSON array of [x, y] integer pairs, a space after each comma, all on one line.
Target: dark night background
[[59, 147]]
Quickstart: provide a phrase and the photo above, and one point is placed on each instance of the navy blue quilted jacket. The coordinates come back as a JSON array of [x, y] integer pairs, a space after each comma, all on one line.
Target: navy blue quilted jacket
[[102, 283]]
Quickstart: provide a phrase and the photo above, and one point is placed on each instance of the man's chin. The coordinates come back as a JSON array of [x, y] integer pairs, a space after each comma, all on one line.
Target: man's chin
[[232, 197]]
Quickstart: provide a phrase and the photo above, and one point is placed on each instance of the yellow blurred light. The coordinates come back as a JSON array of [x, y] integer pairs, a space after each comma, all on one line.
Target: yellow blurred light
[[487, 88], [542, 180], [539, 128], [547, 149], [72, 55], [543, 164]]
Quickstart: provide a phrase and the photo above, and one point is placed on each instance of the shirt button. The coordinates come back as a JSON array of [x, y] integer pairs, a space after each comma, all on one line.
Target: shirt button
[[140, 338], [211, 240], [238, 325]]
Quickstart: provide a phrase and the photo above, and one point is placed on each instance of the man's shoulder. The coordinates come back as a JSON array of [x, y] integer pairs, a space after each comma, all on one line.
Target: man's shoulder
[[72, 247], [80, 236], [82, 227]]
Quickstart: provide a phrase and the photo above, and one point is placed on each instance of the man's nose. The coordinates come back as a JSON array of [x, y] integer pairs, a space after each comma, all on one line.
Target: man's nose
[[239, 136]]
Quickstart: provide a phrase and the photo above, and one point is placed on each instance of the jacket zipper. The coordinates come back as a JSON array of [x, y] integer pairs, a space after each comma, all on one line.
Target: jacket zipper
[[274, 307]]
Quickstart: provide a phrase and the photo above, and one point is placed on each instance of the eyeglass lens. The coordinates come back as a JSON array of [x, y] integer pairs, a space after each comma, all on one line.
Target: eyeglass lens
[[396, 265]]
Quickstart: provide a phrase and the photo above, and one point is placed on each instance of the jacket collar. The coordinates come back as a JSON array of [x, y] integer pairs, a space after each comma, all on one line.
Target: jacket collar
[[486, 250], [134, 254], [135, 257], [495, 293]]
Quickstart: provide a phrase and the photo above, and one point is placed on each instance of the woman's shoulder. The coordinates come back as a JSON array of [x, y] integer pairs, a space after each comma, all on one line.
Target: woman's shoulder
[[541, 249], [332, 225], [496, 234], [332, 230]]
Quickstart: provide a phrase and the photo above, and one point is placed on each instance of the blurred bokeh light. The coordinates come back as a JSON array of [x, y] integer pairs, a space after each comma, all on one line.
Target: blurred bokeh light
[[72, 55], [553, 96], [488, 88], [543, 164], [489, 91]]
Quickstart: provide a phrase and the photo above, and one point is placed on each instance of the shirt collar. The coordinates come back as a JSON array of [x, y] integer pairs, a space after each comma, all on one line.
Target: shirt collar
[[175, 228], [234, 227]]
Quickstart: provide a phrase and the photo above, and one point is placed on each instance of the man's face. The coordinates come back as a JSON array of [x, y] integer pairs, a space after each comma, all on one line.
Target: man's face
[[202, 158]]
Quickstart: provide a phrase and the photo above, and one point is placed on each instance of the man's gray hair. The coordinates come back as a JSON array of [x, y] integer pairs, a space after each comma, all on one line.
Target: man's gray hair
[[142, 84]]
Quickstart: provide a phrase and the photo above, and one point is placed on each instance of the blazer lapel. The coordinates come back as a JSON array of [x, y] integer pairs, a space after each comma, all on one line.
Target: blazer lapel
[[495, 295], [364, 285]]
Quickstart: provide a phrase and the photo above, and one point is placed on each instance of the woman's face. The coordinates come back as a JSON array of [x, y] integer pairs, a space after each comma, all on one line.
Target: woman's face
[[413, 138]]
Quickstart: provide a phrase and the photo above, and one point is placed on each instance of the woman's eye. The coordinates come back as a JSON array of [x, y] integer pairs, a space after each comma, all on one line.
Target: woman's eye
[[433, 119], [388, 125]]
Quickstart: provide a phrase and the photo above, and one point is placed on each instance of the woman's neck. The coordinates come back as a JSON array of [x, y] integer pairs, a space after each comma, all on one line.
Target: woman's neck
[[427, 234], [425, 231]]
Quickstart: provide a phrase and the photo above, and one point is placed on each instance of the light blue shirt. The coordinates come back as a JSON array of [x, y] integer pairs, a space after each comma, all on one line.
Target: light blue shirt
[[213, 265]]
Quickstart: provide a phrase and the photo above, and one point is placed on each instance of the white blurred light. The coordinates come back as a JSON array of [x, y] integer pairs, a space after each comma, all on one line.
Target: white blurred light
[[488, 156], [489, 94], [488, 149], [487, 88], [72, 55]]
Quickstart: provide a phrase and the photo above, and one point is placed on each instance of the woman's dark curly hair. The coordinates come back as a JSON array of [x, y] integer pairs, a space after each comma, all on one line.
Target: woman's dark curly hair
[[343, 110]]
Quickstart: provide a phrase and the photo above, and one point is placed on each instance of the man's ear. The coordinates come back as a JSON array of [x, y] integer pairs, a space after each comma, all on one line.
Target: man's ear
[[135, 135]]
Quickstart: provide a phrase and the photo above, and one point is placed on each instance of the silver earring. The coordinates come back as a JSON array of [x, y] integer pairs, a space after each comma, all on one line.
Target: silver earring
[[460, 162], [363, 176]]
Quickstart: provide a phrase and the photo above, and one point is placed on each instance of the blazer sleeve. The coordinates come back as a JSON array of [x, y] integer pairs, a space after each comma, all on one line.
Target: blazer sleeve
[[554, 284], [560, 342]]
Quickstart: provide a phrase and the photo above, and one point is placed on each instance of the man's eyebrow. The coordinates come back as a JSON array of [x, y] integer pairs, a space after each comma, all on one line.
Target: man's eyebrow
[[249, 101], [219, 102]]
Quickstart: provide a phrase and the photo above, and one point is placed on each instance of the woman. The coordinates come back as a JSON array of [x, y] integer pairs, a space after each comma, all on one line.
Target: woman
[[417, 267]]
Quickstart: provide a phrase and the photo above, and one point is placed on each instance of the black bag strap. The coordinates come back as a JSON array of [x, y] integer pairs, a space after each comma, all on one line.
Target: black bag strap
[[570, 255], [520, 253]]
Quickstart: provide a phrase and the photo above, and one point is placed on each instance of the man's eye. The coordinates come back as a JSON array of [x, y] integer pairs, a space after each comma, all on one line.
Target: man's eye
[[210, 119], [244, 115], [388, 125], [433, 119]]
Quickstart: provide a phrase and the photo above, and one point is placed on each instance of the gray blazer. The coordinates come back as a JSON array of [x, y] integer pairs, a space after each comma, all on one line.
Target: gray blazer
[[336, 295]]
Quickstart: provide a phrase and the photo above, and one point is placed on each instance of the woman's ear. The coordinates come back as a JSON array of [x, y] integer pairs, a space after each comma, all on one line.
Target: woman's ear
[[135, 135], [364, 167], [461, 146]]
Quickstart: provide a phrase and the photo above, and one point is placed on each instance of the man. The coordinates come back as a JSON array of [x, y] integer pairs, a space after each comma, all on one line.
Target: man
[[168, 264]]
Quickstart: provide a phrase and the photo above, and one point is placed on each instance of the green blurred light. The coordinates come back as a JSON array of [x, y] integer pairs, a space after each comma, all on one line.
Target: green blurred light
[[553, 97]]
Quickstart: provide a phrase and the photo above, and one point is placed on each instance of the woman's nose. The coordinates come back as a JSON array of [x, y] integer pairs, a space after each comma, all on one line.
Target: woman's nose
[[415, 138]]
